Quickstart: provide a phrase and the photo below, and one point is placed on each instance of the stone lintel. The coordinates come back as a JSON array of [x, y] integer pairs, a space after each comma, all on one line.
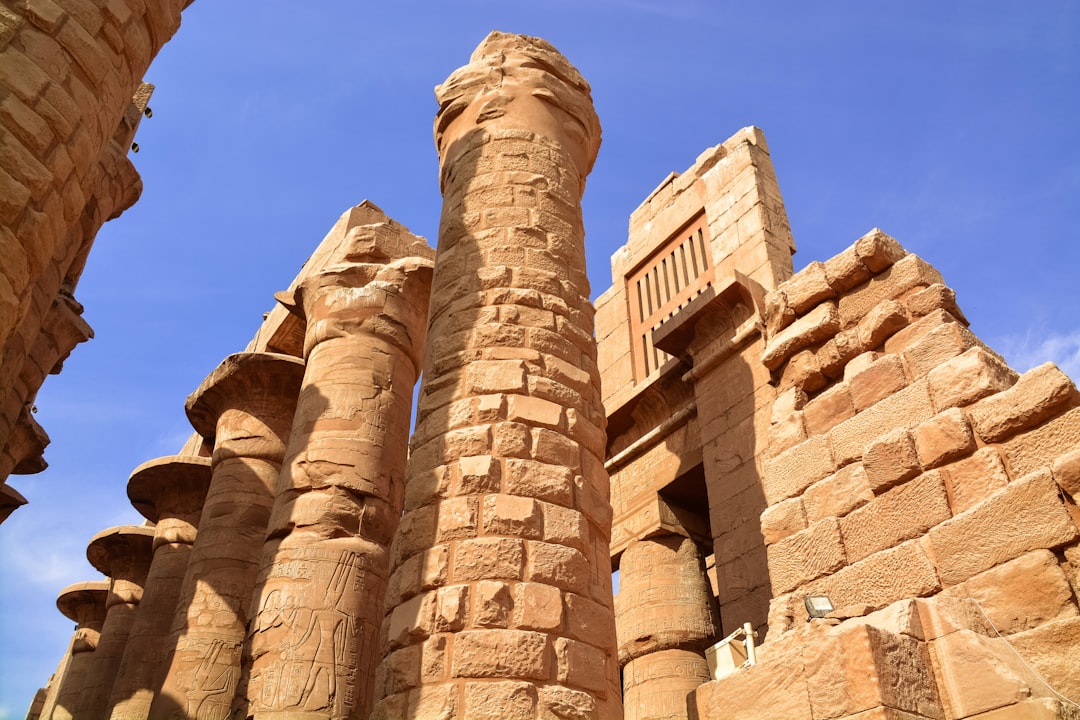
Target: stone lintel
[[242, 380], [676, 334], [115, 550], [657, 517], [169, 486], [74, 601]]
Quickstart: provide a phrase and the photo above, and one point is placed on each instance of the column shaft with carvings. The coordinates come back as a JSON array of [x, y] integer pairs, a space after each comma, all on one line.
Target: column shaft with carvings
[[665, 617], [319, 603], [124, 554], [247, 406], [85, 604], [500, 601], [169, 492]]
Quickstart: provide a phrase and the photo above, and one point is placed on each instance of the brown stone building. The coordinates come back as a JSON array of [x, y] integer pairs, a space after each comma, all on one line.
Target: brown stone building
[[829, 462]]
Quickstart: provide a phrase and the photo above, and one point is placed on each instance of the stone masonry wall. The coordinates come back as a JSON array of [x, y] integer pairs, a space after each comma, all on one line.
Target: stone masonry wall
[[69, 70]]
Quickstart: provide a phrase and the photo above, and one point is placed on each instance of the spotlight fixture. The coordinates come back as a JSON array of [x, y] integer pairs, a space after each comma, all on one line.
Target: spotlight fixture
[[134, 147], [817, 606], [147, 112]]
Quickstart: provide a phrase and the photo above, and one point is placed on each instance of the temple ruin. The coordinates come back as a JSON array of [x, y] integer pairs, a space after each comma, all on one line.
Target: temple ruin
[[825, 497]]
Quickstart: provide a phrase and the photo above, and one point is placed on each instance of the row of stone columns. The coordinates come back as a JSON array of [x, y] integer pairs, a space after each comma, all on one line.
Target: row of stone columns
[[273, 559]]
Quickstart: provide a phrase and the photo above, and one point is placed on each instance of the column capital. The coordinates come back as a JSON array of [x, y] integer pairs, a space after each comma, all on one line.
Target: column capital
[[240, 381], [123, 552], [169, 486], [518, 82], [84, 601]]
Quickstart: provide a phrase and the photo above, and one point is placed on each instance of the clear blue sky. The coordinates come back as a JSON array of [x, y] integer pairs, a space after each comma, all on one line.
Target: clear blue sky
[[952, 126]]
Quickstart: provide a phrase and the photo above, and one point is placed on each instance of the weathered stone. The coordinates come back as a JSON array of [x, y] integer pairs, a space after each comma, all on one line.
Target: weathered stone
[[837, 495], [828, 409], [806, 555], [1041, 446], [1021, 594], [968, 377], [974, 479], [892, 281], [818, 325], [807, 288], [659, 685], [901, 572], [1036, 396], [905, 512], [1027, 515], [791, 472], [1066, 471], [891, 460], [944, 437], [84, 604], [782, 519], [907, 408], [1051, 650], [877, 381], [978, 674]]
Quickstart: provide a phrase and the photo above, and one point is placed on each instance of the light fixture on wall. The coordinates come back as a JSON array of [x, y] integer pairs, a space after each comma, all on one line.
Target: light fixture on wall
[[817, 606]]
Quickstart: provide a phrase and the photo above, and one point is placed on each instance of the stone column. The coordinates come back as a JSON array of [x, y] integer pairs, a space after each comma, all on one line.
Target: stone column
[[319, 603], [169, 492], [665, 617], [123, 553], [246, 405], [84, 603], [500, 601]]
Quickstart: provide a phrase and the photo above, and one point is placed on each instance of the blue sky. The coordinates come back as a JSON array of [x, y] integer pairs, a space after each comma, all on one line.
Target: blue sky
[[952, 126]]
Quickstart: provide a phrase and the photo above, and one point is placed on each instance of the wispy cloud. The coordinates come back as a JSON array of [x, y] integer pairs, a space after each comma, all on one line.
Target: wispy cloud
[[1034, 348]]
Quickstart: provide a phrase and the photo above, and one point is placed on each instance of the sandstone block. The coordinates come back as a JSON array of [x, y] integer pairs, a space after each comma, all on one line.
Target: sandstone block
[[907, 273], [1051, 649], [807, 288], [492, 604], [558, 565], [864, 667], [495, 376], [538, 607], [790, 401], [845, 271], [543, 481], [902, 513], [777, 687], [1027, 515], [828, 409], [534, 411], [478, 474], [806, 555], [941, 343], [412, 620], [803, 371], [1036, 396], [563, 526], [907, 408], [882, 578], [877, 251], [818, 325], [786, 433], [457, 518], [1021, 594], [877, 381], [1041, 446], [1066, 471], [778, 313], [974, 479], [1038, 709], [978, 674], [451, 608], [587, 619], [935, 297], [838, 494], [558, 703], [499, 701], [883, 321], [890, 460], [488, 558], [581, 665], [501, 654], [944, 437], [513, 516], [968, 377], [785, 518], [791, 472], [839, 350]]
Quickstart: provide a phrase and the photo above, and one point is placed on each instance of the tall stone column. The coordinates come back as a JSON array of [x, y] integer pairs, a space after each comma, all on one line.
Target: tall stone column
[[246, 405], [319, 603], [169, 492], [84, 603], [665, 617], [500, 601], [123, 553]]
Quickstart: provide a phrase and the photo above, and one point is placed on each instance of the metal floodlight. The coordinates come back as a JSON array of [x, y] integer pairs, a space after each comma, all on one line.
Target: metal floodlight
[[817, 606]]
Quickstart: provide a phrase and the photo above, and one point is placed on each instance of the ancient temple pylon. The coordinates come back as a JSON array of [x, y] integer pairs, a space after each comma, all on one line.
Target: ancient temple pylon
[[500, 601], [247, 406], [318, 605]]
